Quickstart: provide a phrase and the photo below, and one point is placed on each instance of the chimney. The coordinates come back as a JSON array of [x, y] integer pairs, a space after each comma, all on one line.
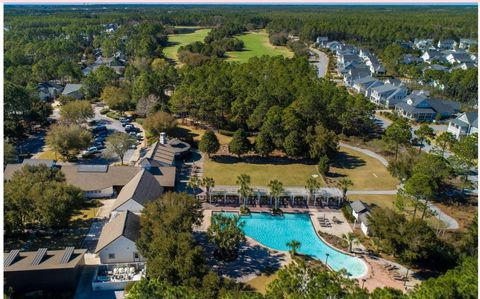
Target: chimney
[[163, 138]]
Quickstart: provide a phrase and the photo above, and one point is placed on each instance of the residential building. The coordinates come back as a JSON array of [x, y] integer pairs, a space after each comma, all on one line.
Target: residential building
[[419, 107], [456, 58], [355, 74], [139, 191], [465, 124], [361, 212], [437, 67], [466, 43], [117, 240], [465, 66], [333, 45], [388, 95], [430, 56], [423, 44], [447, 44], [43, 270], [73, 90], [49, 90], [411, 59], [365, 85], [322, 41]]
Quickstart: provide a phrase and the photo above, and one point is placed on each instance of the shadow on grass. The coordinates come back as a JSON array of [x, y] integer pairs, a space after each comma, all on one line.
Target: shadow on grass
[[347, 161], [226, 159]]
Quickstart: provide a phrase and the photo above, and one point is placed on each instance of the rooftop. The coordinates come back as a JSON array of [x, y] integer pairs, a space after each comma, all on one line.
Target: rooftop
[[43, 259]]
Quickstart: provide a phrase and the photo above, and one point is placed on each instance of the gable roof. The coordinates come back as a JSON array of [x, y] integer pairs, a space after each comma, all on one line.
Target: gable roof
[[359, 206], [70, 88], [142, 188], [125, 224], [90, 181]]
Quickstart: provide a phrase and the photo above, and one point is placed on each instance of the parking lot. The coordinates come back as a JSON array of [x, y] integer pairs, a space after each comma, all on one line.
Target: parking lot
[[102, 127]]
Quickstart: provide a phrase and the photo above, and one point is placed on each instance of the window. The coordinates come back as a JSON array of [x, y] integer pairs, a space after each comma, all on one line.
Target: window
[[111, 256], [136, 255]]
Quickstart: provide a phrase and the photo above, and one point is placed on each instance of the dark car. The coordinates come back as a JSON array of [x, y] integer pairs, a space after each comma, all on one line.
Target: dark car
[[98, 129]]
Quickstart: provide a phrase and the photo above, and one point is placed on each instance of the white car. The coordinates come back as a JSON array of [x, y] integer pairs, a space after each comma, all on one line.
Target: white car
[[90, 151]]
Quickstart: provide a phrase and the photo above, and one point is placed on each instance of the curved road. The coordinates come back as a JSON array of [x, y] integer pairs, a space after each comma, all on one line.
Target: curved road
[[322, 63], [450, 222]]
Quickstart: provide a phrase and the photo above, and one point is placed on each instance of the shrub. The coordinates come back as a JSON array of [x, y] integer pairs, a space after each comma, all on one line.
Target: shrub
[[104, 111], [347, 212], [129, 286], [113, 114], [244, 210], [226, 132], [277, 211]]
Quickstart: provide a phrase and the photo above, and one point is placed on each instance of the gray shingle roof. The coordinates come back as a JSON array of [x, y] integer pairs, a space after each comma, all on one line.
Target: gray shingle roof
[[359, 206], [125, 224], [142, 188], [69, 88]]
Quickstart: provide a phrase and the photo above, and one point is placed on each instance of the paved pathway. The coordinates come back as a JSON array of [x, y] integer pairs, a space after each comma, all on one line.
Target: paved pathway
[[366, 152], [450, 222]]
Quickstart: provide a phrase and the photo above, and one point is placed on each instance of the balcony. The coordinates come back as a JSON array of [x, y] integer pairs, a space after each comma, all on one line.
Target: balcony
[[116, 276]]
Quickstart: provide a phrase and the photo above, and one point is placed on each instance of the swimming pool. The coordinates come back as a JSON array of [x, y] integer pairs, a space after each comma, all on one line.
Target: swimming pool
[[276, 231]]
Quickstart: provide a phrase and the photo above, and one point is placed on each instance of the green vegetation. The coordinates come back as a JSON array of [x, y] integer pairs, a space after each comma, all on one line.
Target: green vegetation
[[227, 235], [38, 196], [118, 144], [257, 44], [209, 143], [291, 173], [69, 140], [181, 39], [76, 112]]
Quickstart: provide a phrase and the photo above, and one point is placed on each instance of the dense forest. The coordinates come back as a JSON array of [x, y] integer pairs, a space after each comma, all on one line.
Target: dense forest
[[55, 42]]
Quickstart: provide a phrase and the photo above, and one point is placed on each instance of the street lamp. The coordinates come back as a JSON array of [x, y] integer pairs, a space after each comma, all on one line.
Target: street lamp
[[326, 260], [363, 282]]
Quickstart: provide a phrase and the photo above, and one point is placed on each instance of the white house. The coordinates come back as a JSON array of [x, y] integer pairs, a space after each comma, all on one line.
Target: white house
[[365, 85], [423, 44], [140, 190], [361, 212], [465, 124], [466, 43], [364, 223], [459, 58], [117, 240], [388, 95]]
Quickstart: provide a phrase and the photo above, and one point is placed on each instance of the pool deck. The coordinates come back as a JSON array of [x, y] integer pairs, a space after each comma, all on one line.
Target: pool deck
[[377, 275]]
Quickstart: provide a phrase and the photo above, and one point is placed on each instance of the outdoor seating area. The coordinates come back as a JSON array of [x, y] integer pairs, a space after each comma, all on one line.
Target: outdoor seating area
[[325, 222], [115, 276], [395, 272]]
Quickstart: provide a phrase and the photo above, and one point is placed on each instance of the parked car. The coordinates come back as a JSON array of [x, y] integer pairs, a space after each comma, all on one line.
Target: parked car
[[99, 129], [90, 151]]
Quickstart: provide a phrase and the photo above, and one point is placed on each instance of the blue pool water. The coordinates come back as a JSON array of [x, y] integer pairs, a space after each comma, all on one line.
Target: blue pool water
[[276, 231]]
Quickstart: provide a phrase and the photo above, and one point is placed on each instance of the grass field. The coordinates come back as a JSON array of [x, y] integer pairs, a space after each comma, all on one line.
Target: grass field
[[257, 44], [178, 40], [366, 172], [292, 174]]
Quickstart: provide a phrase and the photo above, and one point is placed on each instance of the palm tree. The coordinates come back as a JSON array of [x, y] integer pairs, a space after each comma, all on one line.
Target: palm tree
[[350, 239], [312, 185], [344, 184], [208, 183], [244, 181], [193, 183], [294, 246], [276, 188]]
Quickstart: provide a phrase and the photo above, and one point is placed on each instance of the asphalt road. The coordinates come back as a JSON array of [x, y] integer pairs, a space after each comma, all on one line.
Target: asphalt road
[[321, 63]]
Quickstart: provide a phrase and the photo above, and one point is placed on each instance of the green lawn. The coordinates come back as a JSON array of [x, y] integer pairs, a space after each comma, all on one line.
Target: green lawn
[[178, 40], [292, 174], [257, 44]]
